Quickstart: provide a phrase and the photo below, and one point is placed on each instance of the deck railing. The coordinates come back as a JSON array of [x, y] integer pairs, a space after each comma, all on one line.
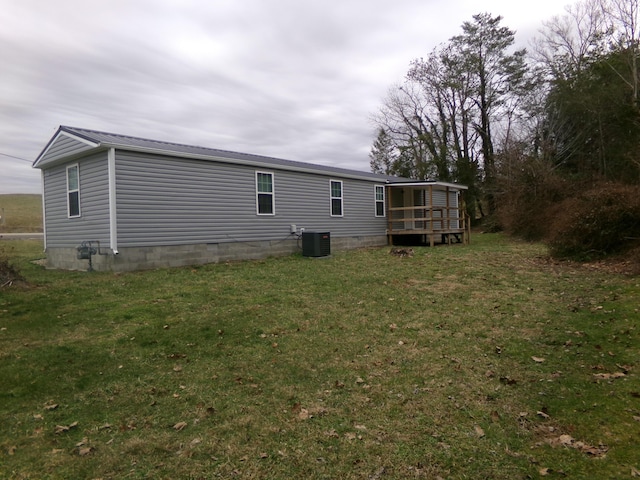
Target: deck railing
[[430, 221]]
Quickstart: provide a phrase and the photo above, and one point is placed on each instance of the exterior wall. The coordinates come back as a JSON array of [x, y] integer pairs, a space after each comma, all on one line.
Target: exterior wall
[[144, 258], [64, 146], [164, 201], [93, 223]]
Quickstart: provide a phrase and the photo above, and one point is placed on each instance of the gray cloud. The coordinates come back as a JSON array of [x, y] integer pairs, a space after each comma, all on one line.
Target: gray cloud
[[289, 78]]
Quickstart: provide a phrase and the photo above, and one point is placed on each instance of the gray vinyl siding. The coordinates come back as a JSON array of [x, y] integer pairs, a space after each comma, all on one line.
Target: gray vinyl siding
[[63, 147], [164, 200], [93, 223]]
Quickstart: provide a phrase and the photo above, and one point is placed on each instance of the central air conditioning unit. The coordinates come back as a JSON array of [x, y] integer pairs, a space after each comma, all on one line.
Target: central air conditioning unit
[[316, 244]]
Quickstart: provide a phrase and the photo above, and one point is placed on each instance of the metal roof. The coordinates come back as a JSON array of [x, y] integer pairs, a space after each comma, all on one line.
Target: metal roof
[[126, 142]]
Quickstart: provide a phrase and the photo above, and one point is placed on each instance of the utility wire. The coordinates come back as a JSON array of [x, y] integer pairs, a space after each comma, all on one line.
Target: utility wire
[[13, 156]]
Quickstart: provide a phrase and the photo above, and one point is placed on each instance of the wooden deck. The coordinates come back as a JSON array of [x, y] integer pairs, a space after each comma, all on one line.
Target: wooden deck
[[449, 224]]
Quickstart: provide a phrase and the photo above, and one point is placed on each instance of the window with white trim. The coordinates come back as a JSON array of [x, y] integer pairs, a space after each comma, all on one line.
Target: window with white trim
[[379, 196], [265, 204], [336, 198], [73, 191]]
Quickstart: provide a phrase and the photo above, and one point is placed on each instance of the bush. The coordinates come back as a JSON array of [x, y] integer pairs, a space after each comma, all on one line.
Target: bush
[[8, 273], [598, 222], [525, 209]]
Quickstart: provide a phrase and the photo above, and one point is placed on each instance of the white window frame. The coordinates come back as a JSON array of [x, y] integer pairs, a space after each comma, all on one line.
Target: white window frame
[[332, 198], [75, 190], [272, 193], [376, 200]]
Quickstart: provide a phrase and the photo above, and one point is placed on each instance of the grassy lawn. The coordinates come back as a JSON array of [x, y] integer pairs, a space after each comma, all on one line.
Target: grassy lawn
[[486, 361]]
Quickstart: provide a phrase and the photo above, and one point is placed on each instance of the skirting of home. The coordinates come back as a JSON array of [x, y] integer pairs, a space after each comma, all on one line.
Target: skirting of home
[[145, 258]]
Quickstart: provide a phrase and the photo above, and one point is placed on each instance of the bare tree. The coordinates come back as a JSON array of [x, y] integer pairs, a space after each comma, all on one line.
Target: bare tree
[[621, 17], [568, 42]]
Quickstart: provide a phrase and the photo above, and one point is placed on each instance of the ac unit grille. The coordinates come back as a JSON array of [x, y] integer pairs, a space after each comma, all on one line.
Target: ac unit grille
[[316, 244]]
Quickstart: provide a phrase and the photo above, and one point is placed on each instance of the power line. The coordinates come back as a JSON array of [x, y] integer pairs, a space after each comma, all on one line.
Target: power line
[[13, 156]]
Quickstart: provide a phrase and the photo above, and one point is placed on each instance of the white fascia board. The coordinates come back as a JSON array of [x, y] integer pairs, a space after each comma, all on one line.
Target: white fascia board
[[55, 138], [427, 184]]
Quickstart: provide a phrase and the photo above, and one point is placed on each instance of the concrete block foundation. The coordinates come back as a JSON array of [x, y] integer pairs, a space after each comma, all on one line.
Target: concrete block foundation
[[163, 256]]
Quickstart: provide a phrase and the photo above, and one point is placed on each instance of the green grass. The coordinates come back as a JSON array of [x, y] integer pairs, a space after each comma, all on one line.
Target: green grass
[[362, 365], [20, 213]]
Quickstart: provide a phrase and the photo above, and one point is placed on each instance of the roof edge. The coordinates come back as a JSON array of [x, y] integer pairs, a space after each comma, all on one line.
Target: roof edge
[[427, 183], [62, 130]]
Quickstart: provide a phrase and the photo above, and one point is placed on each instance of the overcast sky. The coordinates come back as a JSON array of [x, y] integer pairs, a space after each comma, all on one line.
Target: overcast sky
[[295, 79]]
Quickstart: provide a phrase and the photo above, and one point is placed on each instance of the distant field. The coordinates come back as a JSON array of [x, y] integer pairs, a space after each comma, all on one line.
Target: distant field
[[20, 213]]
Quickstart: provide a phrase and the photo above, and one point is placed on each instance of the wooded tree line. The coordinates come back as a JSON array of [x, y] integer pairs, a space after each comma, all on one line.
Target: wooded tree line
[[516, 126]]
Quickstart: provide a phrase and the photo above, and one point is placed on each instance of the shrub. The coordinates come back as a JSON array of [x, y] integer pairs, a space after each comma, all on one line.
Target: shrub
[[8, 273], [531, 191], [598, 222]]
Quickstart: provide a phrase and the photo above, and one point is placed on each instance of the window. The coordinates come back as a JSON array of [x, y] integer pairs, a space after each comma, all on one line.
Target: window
[[73, 191], [336, 198], [264, 193], [379, 193]]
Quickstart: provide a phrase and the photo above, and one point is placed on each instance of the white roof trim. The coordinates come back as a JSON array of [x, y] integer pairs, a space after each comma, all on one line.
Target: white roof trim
[[56, 137], [427, 184]]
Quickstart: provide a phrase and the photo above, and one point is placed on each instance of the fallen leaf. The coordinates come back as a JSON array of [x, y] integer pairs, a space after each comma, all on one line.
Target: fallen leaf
[[508, 380], [543, 472], [304, 414], [568, 441], [85, 451], [635, 472], [565, 439], [12, 450], [608, 376], [179, 426], [51, 406], [479, 431], [537, 359], [543, 415], [37, 416], [64, 428], [350, 436], [495, 416], [177, 368]]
